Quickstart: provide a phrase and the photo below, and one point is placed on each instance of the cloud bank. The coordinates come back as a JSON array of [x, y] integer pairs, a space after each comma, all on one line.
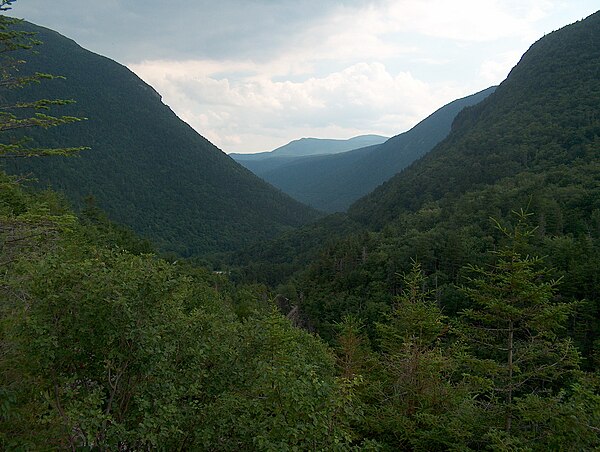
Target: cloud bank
[[251, 75]]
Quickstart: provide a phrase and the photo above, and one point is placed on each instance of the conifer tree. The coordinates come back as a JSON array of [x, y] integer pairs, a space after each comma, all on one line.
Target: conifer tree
[[516, 328], [419, 400], [17, 115], [23, 114]]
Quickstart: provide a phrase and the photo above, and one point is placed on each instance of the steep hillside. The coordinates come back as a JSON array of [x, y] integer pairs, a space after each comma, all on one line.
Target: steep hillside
[[545, 114], [533, 145], [147, 168], [333, 182]]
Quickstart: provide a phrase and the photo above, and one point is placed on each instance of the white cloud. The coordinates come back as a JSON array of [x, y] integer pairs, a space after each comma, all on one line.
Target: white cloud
[[252, 75], [350, 71], [497, 69], [364, 97], [460, 20]]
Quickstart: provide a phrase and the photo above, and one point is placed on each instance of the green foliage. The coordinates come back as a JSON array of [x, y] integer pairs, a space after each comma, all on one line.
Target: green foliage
[[543, 116], [100, 230], [354, 356], [103, 348], [437, 210], [14, 115], [417, 396], [148, 169], [103, 345], [436, 380], [287, 398], [415, 318], [568, 420], [516, 328]]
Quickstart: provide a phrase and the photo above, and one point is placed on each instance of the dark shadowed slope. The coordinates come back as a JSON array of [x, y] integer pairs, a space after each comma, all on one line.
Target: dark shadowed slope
[[147, 168]]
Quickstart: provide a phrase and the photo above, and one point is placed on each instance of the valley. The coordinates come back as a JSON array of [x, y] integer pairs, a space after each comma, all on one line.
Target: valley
[[436, 290]]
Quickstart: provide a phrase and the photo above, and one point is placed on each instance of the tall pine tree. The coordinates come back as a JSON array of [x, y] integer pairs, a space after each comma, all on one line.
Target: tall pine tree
[[516, 328]]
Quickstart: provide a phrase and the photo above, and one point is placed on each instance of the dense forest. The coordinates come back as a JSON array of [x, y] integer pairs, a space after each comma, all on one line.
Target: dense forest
[[457, 307], [145, 167]]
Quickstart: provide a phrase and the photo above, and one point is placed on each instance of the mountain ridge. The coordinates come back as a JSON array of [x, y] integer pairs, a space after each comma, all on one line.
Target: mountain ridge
[[138, 145], [539, 153], [305, 146], [502, 147]]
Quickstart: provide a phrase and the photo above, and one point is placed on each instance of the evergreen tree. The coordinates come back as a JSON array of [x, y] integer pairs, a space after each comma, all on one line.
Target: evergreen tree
[[15, 116], [517, 330], [418, 398]]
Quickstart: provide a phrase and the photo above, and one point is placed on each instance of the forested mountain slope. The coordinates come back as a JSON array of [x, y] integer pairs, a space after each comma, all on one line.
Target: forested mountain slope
[[533, 145], [146, 167], [465, 292], [545, 114], [333, 182], [142, 353]]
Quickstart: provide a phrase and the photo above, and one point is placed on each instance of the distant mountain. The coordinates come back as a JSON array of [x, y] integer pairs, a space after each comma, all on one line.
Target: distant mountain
[[262, 163], [147, 168], [333, 182], [314, 146]]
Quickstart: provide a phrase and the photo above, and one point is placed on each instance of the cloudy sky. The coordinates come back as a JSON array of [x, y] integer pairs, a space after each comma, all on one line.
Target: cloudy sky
[[252, 75]]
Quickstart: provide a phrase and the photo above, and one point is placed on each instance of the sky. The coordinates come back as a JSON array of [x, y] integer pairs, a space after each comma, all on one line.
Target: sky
[[252, 75]]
